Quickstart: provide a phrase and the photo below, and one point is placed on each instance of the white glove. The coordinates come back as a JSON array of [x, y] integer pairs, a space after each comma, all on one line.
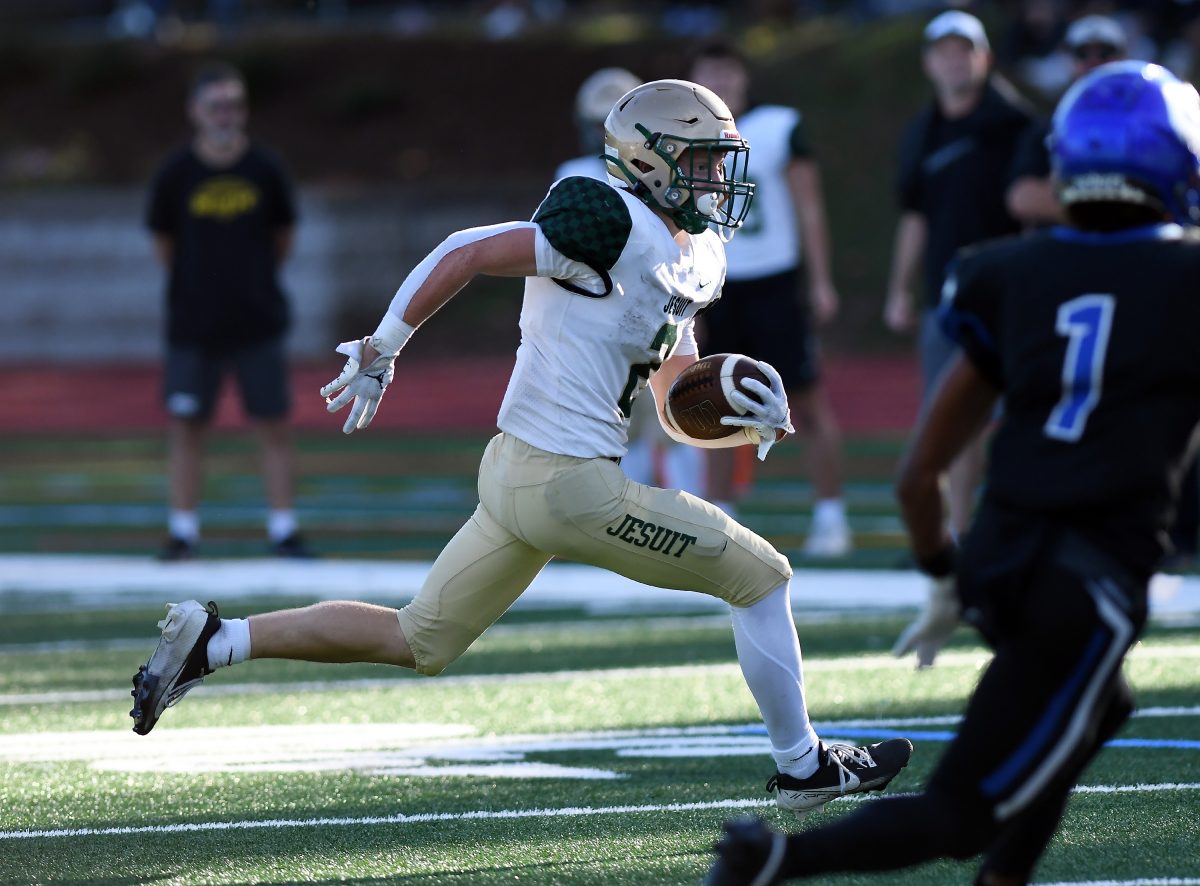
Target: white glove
[[932, 628], [364, 385], [766, 415]]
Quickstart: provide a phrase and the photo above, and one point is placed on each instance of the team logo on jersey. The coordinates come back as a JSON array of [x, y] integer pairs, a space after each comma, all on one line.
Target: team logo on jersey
[[677, 305], [644, 534], [223, 198]]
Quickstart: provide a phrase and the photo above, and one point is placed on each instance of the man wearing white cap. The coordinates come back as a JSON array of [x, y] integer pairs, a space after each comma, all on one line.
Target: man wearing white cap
[[1032, 199], [954, 167]]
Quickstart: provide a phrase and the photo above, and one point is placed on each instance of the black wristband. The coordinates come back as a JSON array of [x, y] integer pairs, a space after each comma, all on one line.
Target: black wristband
[[941, 564]]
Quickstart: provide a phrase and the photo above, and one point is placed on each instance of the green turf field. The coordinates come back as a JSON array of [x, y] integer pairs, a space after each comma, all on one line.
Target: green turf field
[[563, 748], [558, 750]]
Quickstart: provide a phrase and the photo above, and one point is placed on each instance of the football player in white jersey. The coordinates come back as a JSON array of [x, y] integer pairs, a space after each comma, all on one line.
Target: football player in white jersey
[[651, 456], [595, 98], [615, 274], [779, 285]]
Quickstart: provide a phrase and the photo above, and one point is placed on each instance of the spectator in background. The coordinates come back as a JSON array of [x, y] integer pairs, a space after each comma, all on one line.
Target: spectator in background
[[1032, 48], [222, 216], [1032, 197], [652, 457], [954, 166], [779, 286]]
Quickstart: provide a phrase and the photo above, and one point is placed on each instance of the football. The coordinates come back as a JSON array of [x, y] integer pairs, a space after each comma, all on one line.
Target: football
[[699, 397]]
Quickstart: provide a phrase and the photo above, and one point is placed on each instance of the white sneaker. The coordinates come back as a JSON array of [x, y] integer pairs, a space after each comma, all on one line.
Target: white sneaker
[[828, 541]]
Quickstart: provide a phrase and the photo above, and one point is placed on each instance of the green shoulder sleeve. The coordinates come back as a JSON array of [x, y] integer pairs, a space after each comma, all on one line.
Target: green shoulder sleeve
[[587, 221]]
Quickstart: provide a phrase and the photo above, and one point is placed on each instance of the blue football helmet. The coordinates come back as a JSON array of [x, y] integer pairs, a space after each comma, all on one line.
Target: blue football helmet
[[1129, 132]]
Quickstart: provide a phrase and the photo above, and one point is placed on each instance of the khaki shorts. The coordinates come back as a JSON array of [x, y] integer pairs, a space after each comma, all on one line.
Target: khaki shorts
[[534, 505]]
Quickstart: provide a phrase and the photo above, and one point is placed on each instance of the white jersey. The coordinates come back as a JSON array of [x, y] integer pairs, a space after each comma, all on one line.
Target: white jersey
[[615, 296], [768, 242], [589, 166]]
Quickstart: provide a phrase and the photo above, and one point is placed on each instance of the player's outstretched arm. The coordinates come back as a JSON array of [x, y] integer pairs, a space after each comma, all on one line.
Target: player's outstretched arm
[[499, 250], [961, 407]]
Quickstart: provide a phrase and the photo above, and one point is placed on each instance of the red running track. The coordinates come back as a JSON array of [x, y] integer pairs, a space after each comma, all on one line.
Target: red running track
[[870, 395]]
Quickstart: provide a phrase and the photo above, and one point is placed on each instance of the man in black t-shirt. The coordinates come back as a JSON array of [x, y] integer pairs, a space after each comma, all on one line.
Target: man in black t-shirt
[[1088, 332], [954, 166], [222, 215], [1032, 200]]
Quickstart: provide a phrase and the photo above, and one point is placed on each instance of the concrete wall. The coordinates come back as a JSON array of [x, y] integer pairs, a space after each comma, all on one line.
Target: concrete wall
[[78, 278]]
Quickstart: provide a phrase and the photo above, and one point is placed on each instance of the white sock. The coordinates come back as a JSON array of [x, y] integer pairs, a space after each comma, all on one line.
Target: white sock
[[281, 524], [184, 525], [230, 645], [769, 654], [684, 467], [829, 512]]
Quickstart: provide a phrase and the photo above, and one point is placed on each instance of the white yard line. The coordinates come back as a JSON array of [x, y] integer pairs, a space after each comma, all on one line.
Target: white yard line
[[486, 815]]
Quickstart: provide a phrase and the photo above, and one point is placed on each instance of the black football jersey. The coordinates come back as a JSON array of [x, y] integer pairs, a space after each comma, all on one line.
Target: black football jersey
[[1094, 340]]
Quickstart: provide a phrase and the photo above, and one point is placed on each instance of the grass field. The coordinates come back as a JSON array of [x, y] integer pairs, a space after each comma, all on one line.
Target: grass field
[[563, 748], [557, 751]]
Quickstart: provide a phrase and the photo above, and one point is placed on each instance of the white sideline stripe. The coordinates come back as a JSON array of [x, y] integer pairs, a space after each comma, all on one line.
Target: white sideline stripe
[[481, 815], [90, 581]]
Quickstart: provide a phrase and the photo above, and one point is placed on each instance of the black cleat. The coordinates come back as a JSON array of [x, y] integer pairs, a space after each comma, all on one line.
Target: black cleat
[[748, 854], [293, 548], [842, 769], [175, 549], [179, 662]]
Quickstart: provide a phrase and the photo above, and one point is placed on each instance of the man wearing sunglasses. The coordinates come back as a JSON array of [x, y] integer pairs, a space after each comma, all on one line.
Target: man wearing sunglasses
[[1032, 199]]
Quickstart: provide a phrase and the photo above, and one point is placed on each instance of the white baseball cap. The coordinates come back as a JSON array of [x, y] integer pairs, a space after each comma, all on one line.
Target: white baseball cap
[[955, 23], [1096, 29]]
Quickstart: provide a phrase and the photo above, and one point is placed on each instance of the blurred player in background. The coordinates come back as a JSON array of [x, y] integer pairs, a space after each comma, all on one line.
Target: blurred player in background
[[222, 216], [651, 457], [1089, 333], [1032, 197], [779, 286], [595, 98], [954, 166], [614, 279]]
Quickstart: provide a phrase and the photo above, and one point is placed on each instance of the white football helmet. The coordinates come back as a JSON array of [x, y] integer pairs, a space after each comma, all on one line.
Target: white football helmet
[[656, 124], [599, 92]]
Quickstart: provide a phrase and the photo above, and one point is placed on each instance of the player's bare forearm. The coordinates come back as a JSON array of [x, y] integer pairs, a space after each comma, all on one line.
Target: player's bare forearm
[[509, 253], [664, 376], [960, 409]]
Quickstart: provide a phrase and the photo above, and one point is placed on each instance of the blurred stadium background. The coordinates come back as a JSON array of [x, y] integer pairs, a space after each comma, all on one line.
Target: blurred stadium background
[[400, 122]]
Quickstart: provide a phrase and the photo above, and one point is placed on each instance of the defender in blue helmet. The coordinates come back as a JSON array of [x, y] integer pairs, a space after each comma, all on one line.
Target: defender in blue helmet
[[1088, 332]]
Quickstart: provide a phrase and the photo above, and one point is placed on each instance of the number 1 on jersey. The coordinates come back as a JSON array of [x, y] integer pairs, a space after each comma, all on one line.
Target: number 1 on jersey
[[1086, 322], [664, 343]]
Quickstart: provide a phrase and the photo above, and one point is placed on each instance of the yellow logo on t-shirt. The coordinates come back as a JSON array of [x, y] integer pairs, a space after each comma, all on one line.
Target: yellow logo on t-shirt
[[223, 198]]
